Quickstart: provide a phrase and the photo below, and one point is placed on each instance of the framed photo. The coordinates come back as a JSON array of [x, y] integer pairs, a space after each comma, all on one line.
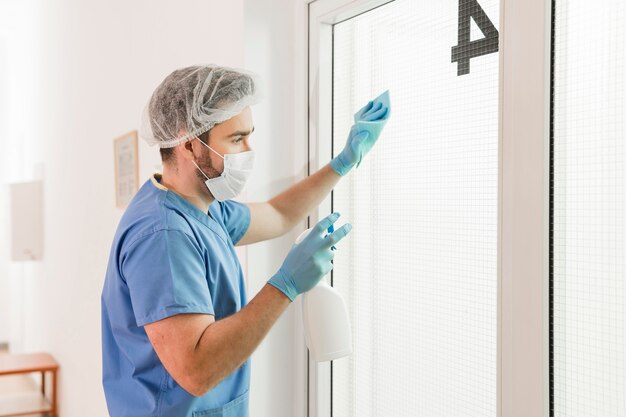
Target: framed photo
[[126, 168]]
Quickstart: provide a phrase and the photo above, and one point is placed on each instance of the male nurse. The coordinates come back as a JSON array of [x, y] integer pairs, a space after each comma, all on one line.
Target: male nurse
[[177, 329]]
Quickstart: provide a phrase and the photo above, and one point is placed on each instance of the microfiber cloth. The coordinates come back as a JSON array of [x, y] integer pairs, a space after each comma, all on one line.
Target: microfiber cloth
[[373, 127]]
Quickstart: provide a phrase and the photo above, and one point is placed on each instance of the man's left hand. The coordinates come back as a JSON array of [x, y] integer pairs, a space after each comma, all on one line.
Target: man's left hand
[[369, 122]]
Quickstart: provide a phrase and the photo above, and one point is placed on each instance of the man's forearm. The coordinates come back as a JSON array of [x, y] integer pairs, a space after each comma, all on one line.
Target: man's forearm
[[300, 199], [228, 343]]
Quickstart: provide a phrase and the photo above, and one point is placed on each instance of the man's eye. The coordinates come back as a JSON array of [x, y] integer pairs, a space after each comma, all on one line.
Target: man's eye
[[238, 140]]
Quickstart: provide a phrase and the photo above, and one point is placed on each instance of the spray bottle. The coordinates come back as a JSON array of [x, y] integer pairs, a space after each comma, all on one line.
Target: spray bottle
[[327, 327]]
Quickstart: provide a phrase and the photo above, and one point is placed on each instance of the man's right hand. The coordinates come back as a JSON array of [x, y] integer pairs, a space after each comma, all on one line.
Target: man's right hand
[[308, 261]]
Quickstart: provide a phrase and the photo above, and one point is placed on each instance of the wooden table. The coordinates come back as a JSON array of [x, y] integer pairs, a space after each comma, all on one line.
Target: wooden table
[[29, 403]]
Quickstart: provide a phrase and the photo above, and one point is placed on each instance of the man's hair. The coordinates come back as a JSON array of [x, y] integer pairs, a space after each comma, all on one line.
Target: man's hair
[[168, 155]]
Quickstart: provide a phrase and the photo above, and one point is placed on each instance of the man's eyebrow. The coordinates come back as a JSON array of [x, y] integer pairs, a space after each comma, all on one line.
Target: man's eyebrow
[[240, 133]]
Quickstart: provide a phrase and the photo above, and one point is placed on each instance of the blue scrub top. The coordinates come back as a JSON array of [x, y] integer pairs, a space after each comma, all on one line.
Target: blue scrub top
[[169, 258]]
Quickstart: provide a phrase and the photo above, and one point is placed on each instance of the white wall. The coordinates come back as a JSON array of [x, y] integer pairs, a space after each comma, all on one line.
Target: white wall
[[4, 281], [274, 36], [82, 83], [80, 75], [20, 139]]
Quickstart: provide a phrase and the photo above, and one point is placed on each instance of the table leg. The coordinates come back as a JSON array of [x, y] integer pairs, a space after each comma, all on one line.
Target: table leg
[[54, 394], [43, 383]]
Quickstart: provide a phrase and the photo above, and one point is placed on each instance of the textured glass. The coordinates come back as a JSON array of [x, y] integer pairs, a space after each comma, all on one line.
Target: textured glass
[[419, 270], [589, 220]]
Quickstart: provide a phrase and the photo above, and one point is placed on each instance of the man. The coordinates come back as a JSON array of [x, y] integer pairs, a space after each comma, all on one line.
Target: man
[[177, 331]]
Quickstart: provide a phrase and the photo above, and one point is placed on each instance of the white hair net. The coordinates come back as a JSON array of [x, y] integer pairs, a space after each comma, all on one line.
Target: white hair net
[[190, 101]]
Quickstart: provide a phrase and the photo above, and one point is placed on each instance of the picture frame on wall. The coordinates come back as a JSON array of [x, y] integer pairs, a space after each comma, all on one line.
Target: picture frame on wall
[[126, 168]]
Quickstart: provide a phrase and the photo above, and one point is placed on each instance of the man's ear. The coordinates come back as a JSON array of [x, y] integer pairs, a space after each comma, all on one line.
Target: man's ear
[[186, 150]]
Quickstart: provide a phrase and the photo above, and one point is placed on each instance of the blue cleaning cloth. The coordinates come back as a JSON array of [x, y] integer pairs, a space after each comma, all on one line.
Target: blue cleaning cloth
[[373, 127]]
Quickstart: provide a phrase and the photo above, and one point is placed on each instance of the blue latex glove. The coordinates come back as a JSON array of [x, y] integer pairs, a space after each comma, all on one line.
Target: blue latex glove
[[368, 124], [308, 261]]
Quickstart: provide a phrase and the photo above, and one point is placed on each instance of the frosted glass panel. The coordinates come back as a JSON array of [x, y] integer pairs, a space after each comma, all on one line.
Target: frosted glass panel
[[419, 271], [589, 215]]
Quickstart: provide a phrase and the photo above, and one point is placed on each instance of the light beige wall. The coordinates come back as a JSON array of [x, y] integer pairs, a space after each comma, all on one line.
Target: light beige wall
[[21, 155], [269, 51], [84, 73], [96, 65]]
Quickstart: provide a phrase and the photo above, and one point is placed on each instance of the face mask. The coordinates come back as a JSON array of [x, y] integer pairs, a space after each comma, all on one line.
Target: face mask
[[237, 169]]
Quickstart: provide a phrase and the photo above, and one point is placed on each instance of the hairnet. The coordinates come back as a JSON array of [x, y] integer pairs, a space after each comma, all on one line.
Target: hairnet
[[190, 101]]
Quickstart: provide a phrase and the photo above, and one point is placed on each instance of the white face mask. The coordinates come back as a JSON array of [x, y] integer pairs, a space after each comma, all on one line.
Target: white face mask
[[237, 169]]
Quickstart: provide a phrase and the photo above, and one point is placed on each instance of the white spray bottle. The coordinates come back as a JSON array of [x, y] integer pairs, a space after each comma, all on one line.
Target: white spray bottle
[[327, 327]]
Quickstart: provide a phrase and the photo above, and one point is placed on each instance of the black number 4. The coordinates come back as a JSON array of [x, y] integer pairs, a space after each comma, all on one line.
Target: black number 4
[[465, 50]]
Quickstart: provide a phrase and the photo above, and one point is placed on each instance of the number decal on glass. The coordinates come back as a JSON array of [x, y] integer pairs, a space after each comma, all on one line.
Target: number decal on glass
[[466, 49]]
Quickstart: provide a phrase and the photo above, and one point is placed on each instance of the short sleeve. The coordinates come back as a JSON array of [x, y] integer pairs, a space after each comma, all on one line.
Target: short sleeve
[[166, 275], [236, 217]]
